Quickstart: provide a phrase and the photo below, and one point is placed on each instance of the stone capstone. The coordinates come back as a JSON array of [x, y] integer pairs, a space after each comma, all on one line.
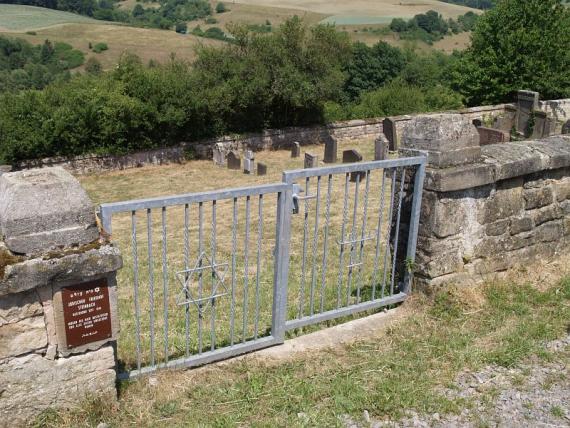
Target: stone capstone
[[32, 223]]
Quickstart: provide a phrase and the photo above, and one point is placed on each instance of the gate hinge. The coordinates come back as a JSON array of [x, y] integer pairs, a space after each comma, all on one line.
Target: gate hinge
[[296, 198]]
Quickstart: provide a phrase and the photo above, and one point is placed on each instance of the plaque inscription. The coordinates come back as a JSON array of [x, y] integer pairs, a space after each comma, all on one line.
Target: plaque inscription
[[86, 312]]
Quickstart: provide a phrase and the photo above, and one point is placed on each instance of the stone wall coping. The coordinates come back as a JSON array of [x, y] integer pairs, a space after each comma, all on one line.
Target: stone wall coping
[[501, 162]]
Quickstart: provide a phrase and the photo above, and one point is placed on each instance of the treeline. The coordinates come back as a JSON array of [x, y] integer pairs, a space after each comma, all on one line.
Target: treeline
[[25, 66], [477, 4], [431, 26]]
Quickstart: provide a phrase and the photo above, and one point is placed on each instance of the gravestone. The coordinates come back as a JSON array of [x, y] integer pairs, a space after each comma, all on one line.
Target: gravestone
[[381, 147], [219, 154], [261, 169], [507, 120], [527, 103], [248, 165], [234, 161], [492, 136], [566, 128], [538, 129], [311, 161], [331, 148], [352, 156], [391, 133], [295, 150]]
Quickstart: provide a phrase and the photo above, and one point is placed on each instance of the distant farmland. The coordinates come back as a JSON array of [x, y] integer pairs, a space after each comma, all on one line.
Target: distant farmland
[[24, 18]]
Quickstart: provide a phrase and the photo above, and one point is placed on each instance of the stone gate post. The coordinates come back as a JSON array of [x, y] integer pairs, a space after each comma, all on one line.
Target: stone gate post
[[58, 298]]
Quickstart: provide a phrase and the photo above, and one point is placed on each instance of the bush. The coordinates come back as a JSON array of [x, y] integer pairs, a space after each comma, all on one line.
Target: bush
[[93, 66], [221, 8], [181, 28], [100, 47], [211, 20]]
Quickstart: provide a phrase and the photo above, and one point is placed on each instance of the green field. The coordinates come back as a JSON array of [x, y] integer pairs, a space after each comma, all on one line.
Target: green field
[[23, 18]]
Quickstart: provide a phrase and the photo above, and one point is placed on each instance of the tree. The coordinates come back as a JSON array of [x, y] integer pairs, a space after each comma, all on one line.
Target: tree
[[520, 44], [181, 27], [221, 8], [398, 25]]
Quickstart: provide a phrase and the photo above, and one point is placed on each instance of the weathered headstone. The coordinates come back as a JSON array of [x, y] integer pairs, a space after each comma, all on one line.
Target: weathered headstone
[[249, 154], [539, 128], [381, 147], [234, 161], [352, 156], [261, 169], [248, 165], [527, 103], [219, 154], [449, 139], [507, 120], [566, 128], [295, 150], [311, 161], [331, 148], [391, 133], [492, 136]]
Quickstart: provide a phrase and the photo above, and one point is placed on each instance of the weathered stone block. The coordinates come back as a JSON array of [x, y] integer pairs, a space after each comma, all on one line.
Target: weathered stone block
[[492, 136], [441, 264], [546, 214], [498, 228], [64, 382], [23, 336], [520, 225], [549, 232], [505, 202], [562, 190], [33, 223], [565, 207], [512, 160], [538, 198], [19, 306], [459, 178], [75, 267]]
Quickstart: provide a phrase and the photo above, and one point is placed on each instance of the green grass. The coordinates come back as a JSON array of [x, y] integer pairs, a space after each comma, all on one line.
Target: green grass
[[25, 18], [499, 323]]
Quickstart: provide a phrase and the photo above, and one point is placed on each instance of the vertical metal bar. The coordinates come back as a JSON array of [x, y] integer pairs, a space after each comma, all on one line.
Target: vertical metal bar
[[342, 238], [363, 236], [414, 224], [164, 284], [352, 239], [214, 280], [281, 271], [325, 250], [106, 220], [304, 262], [315, 242], [246, 270], [200, 275], [234, 251], [379, 234], [136, 285], [259, 238], [387, 245], [186, 295], [398, 216], [151, 282]]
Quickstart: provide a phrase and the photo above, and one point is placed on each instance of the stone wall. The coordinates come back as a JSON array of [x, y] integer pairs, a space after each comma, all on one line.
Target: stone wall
[[509, 207], [51, 246], [267, 140]]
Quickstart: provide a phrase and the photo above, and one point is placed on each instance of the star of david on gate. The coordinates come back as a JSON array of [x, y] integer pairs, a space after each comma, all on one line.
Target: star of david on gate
[[218, 277]]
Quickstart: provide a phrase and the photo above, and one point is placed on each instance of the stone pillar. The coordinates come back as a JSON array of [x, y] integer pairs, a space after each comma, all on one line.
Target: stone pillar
[[58, 298], [527, 103]]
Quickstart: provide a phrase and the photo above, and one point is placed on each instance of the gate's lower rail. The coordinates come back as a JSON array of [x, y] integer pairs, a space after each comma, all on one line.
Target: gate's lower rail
[[217, 274]]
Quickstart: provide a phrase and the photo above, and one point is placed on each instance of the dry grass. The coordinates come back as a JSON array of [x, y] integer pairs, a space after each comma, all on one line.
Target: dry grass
[[313, 288], [145, 42]]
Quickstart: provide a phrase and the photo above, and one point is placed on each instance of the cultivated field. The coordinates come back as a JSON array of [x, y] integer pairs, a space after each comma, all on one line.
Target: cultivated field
[[365, 11], [243, 311], [25, 18]]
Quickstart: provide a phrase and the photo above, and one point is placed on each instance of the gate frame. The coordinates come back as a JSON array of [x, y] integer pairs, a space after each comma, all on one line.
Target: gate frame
[[284, 190]]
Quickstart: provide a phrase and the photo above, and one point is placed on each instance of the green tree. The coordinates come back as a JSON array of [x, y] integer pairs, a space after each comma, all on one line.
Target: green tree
[[221, 8], [520, 44]]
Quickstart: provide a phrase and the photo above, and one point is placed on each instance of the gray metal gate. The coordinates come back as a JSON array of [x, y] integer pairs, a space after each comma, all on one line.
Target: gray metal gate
[[215, 274]]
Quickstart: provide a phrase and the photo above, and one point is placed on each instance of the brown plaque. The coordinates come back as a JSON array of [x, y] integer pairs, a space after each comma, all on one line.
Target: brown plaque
[[86, 313]]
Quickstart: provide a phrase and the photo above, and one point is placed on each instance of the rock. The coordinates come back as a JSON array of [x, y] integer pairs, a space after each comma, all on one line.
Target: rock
[[23, 336], [32, 223]]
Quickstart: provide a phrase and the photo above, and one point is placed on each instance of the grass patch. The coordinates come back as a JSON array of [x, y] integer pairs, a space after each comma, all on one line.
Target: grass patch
[[405, 369]]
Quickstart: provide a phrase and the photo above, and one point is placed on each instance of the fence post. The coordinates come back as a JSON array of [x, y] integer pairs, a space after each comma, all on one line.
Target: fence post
[[281, 273]]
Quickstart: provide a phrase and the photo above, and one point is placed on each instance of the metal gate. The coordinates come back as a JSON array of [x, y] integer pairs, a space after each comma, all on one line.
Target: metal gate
[[212, 275]]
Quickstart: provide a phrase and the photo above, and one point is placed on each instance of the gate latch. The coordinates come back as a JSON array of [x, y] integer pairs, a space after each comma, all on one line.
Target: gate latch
[[297, 190]]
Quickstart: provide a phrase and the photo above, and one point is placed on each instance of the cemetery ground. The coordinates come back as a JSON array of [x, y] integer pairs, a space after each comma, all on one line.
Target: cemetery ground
[[414, 365]]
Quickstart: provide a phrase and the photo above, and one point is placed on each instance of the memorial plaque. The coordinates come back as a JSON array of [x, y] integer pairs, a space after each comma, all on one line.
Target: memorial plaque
[[86, 313]]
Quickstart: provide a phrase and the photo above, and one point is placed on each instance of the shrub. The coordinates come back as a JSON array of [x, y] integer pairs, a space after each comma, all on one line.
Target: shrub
[[181, 27], [221, 8], [100, 47], [93, 66]]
